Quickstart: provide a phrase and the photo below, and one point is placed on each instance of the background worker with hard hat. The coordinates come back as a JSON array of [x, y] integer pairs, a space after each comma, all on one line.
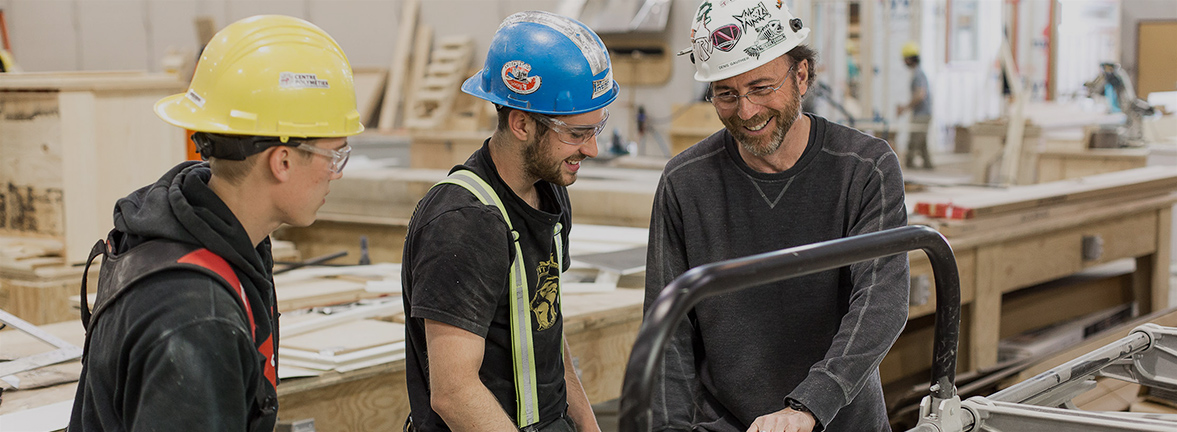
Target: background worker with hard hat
[[798, 355], [920, 106], [184, 331], [485, 248]]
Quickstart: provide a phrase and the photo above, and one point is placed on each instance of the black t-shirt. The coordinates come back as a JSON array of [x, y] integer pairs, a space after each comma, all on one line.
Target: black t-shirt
[[457, 258]]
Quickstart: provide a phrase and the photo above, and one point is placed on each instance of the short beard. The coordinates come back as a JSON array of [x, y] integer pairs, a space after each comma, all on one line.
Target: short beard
[[785, 119], [538, 164]]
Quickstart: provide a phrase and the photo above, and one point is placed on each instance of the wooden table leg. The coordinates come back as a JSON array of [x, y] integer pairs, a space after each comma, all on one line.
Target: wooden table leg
[[1151, 281], [985, 321]]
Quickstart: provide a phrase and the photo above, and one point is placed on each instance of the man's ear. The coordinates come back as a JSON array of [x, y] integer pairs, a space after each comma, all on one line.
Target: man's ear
[[803, 77], [280, 160], [521, 124]]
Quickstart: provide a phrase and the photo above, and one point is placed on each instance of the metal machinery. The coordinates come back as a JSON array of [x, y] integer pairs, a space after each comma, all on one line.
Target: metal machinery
[[1147, 356], [1113, 79]]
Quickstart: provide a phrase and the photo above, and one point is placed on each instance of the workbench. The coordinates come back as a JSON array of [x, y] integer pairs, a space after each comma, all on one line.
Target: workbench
[[999, 261]]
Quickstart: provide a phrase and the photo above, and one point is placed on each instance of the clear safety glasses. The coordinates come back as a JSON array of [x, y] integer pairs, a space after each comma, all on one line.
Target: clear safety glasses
[[573, 134], [338, 157]]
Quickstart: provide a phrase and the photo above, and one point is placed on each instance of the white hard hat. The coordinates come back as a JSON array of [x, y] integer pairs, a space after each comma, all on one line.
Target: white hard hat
[[730, 37]]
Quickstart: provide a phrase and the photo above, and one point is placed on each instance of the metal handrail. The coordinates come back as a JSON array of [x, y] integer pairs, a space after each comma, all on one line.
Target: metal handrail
[[684, 292]]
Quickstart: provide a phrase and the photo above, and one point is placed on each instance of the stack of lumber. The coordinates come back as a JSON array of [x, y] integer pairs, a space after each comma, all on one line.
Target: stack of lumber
[[983, 210], [344, 346], [35, 283]]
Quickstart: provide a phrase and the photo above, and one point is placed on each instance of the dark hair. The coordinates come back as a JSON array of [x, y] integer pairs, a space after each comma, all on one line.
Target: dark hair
[[231, 157], [804, 52], [504, 115], [914, 59]]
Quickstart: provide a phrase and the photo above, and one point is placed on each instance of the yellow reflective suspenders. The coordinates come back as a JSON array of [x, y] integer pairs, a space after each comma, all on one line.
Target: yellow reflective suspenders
[[522, 348]]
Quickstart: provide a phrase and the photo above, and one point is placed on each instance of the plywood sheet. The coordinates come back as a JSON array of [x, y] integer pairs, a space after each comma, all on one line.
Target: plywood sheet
[[348, 337], [319, 292], [1156, 60]]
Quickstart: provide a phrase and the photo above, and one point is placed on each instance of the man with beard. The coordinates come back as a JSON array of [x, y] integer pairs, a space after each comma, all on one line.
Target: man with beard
[[802, 354], [482, 259], [183, 335]]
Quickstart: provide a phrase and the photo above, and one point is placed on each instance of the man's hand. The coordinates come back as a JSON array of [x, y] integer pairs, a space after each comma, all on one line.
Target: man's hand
[[786, 420]]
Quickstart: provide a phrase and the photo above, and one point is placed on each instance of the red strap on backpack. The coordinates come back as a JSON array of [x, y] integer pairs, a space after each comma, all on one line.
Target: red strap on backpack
[[205, 258]]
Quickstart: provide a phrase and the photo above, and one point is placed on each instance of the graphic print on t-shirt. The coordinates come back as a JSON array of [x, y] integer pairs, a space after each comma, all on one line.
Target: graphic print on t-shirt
[[546, 304]]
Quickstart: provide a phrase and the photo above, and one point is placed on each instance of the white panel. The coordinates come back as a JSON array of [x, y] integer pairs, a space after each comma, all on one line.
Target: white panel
[[113, 35], [365, 29], [42, 34]]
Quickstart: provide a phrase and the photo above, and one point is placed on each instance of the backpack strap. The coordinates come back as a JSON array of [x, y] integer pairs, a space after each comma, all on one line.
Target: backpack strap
[[121, 272]]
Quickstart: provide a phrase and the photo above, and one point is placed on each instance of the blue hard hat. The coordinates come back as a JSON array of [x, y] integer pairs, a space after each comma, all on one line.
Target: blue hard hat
[[545, 63]]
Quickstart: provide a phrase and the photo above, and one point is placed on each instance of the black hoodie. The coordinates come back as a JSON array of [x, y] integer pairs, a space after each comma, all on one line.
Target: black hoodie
[[174, 352]]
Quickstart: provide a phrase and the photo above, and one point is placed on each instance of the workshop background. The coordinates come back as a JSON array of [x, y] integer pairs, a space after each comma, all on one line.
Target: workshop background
[[1053, 136]]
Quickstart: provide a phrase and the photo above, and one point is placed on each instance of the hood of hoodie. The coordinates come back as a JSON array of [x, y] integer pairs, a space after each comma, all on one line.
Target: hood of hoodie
[[181, 207]]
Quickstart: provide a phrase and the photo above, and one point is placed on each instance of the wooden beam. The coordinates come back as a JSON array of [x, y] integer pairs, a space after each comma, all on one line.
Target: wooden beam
[[397, 71]]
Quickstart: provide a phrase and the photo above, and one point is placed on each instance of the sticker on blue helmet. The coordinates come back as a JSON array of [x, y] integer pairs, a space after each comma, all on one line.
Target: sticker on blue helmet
[[602, 86], [589, 47], [515, 76]]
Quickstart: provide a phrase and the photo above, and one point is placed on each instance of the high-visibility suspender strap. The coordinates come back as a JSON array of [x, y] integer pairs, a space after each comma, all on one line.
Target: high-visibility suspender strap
[[522, 346]]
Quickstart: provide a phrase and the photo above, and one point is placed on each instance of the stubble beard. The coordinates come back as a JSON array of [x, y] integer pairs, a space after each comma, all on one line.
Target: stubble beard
[[543, 165], [785, 119]]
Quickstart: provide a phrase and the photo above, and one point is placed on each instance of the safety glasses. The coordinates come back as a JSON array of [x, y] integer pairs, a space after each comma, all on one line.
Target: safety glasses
[[338, 157], [573, 134]]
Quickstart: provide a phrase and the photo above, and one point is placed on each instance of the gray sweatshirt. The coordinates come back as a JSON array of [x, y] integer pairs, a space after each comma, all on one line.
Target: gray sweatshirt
[[818, 338]]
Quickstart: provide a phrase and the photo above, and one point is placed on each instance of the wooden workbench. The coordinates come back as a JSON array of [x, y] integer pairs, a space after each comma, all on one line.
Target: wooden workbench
[[994, 262]]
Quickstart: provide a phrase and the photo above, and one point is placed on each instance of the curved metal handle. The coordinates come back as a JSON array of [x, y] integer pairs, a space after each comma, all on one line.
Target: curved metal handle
[[684, 292]]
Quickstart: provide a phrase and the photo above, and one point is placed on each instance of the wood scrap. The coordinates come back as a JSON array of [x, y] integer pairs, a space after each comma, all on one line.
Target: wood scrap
[[397, 71], [422, 48], [370, 85]]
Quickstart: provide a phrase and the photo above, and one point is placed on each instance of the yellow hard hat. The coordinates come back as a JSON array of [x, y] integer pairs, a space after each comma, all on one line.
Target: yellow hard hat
[[910, 49], [268, 75]]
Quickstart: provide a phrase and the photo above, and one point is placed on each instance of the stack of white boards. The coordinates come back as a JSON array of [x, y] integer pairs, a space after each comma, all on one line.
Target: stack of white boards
[[344, 347]]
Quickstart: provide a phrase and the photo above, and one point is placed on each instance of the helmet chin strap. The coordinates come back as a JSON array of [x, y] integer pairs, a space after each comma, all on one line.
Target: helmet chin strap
[[235, 147]]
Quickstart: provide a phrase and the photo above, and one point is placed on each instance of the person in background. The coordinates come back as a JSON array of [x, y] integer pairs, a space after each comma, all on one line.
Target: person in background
[[920, 106], [799, 355], [184, 332]]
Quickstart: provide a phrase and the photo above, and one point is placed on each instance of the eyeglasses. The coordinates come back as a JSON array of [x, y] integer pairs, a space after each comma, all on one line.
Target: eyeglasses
[[759, 95], [573, 134], [338, 157]]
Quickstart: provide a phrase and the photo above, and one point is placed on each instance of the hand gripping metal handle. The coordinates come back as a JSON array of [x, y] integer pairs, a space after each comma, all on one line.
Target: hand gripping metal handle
[[701, 282]]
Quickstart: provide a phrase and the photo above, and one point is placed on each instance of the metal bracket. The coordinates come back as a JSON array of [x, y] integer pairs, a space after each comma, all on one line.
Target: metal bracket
[[1155, 367], [65, 351]]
